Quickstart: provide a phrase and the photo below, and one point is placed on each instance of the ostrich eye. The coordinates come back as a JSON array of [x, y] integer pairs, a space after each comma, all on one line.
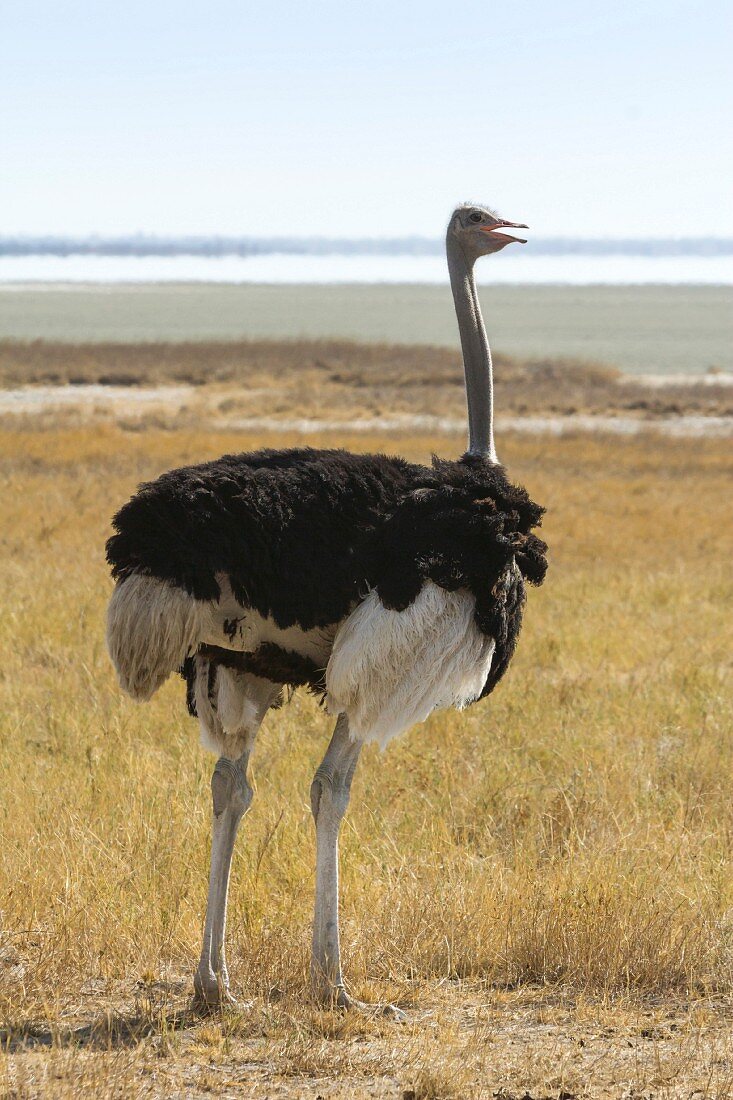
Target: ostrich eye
[[475, 217]]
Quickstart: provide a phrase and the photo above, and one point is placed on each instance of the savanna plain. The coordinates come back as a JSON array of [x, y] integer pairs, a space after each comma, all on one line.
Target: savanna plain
[[543, 882]]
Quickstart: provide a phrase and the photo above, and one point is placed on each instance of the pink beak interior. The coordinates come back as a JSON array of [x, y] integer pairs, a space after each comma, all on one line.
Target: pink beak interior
[[507, 237]]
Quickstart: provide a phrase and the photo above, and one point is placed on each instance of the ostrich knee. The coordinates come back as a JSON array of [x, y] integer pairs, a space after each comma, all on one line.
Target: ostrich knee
[[330, 791], [230, 788]]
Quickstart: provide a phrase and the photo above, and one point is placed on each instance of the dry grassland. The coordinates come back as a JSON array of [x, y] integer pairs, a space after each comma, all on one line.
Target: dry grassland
[[329, 377], [543, 881]]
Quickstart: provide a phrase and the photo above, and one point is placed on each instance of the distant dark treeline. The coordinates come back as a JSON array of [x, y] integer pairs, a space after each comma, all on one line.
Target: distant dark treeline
[[140, 245]]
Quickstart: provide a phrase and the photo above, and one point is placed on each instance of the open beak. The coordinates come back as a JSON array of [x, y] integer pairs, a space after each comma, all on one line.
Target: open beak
[[505, 238]]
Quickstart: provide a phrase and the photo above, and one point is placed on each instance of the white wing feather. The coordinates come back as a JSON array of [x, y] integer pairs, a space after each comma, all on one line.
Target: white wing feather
[[391, 669]]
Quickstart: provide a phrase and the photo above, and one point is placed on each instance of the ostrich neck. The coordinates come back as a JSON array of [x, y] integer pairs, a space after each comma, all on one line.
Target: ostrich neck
[[476, 353]]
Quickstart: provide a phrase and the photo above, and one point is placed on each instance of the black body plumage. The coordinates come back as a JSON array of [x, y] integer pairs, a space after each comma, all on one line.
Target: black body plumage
[[304, 534]]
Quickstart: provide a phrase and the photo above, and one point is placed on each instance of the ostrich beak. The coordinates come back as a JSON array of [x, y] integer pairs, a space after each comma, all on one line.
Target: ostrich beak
[[506, 238]]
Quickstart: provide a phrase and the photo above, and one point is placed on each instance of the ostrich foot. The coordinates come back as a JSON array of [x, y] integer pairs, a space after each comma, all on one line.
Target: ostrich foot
[[338, 997], [212, 994]]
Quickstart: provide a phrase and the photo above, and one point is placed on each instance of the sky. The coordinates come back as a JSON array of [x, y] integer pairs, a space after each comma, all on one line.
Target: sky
[[348, 119]]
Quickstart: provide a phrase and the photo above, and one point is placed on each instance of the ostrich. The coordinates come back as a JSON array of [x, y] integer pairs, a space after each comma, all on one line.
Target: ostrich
[[390, 588]]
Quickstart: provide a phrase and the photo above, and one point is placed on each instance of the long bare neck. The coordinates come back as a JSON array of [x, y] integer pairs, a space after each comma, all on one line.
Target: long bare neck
[[476, 352]]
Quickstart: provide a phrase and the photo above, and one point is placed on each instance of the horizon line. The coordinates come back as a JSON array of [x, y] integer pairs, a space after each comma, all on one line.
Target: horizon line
[[142, 244]]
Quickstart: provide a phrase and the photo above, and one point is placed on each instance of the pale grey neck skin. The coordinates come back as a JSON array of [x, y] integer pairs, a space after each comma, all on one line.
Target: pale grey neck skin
[[475, 347], [474, 231]]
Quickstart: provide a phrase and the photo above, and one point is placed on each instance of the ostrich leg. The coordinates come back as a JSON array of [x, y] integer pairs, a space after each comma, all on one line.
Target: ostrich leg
[[329, 798], [231, 794]]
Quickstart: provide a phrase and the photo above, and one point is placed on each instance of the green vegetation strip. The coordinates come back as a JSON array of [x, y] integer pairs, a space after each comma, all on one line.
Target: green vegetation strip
[[641, 329]]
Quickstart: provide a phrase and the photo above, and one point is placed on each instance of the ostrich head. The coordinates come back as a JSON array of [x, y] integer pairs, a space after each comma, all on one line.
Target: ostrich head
[[475, 229]]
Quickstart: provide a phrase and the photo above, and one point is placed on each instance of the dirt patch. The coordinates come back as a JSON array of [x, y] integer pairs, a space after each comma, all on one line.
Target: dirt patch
[[458, 1042], [88, 396]]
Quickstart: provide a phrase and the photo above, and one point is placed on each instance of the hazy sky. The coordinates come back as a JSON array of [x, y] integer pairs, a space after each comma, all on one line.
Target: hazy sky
[[365, 119]]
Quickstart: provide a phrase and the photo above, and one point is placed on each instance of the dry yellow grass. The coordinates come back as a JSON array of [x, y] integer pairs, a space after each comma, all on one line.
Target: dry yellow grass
[[305, 377], [545, 880]]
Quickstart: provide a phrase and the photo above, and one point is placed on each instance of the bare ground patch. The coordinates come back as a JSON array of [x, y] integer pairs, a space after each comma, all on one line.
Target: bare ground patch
[[458, 1042]]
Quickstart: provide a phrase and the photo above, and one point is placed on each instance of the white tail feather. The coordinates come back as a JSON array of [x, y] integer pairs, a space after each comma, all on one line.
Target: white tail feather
[[152, 627]]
